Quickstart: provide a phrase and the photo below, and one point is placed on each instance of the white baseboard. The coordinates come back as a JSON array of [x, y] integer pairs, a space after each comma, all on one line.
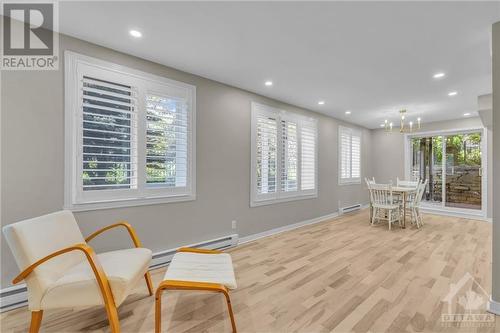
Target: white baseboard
[[494, 307], [464, 215], [279, 230], [365, 206]]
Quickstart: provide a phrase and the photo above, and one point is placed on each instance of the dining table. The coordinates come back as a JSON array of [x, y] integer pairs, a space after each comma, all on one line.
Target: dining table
[[404, 191]]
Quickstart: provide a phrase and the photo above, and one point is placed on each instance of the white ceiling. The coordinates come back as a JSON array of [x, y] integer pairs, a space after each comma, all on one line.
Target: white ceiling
[[372, 58]]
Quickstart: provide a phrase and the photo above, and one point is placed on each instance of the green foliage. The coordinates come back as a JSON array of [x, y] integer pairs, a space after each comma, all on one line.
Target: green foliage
[[462, 149], [163, 140], [86, 178], [117, 174], [465, 149]]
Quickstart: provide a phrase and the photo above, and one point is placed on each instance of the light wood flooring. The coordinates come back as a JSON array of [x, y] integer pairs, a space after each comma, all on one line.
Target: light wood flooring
[[342, 276]]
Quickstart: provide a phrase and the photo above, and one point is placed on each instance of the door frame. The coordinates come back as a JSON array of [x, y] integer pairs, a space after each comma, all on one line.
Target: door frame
[[484, 172]]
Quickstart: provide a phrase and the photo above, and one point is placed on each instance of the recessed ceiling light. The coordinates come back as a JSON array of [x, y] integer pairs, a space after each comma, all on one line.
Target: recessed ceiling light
[[439, 75], [466, 114], [382, 125], [321, 102], [135, 33], [268, 83], [452, 93], [348, 112]]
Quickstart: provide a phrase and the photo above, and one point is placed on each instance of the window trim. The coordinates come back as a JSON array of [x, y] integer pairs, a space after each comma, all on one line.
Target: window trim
[[255, 200], [71, 128], [350, 180]]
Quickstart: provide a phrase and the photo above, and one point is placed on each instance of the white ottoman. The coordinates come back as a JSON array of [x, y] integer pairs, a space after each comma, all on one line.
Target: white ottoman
[[200, 270]]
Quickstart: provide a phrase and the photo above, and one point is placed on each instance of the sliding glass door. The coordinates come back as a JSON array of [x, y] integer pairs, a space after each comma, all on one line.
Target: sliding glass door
[[452, 163], [463, 171], [427, 164]]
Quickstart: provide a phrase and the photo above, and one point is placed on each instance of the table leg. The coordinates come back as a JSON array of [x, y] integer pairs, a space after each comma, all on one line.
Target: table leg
[[404, 210]]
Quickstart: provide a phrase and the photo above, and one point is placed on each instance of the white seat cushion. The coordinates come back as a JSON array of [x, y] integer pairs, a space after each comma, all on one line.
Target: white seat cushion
[[78, 286], [201, 267], [388, 206]]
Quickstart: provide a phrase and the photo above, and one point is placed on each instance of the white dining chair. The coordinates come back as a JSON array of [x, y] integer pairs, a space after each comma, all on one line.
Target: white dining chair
[[414, 206], [384, 206], [368, 184]]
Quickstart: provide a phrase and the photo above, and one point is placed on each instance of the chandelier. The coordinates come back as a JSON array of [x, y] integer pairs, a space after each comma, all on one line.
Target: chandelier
[[403, 127]]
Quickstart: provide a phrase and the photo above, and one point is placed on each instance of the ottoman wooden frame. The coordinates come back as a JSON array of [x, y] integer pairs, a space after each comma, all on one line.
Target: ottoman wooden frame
[[193, 286]]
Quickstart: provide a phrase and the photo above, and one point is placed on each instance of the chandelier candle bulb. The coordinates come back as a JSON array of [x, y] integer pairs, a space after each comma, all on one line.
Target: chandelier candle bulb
[[405, 127], [386, 126]]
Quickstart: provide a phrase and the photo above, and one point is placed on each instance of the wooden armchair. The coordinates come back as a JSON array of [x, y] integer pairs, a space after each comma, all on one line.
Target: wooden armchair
[[61, 269]]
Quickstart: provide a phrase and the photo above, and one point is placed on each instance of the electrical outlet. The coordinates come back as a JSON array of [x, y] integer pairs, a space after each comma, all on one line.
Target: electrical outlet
[[233, 224]]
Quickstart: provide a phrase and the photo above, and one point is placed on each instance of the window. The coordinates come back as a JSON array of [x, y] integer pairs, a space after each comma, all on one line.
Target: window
[[349, 156], [129, 136], [284, 155]]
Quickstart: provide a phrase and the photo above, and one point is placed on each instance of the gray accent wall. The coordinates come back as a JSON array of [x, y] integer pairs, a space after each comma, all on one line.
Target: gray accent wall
[[32, 171]]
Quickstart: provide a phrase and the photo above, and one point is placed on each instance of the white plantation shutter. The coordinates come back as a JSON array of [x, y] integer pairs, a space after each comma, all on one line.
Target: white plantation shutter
[[108, 129], [166, 142], [308, 161], [345, 153], [284, 154], [267, 154], [356, 157], [349, 156], [289, 159], [129, 137]]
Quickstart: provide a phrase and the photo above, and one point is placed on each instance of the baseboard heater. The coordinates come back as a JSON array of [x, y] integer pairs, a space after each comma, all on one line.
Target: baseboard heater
[[163, 258], [16, 296], [349, 209], [13, 297]]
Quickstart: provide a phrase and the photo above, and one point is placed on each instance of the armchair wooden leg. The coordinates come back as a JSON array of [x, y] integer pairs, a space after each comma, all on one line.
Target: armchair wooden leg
[[114, 321], [36, 320], [149, 283]]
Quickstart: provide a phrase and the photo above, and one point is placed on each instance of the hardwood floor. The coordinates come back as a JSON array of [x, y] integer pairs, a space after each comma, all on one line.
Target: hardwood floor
[[342, 276]]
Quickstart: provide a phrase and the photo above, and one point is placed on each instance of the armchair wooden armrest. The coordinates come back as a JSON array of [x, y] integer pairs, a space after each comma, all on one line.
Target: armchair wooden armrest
[[87, 250], [195, 250], [126, 225], [135, 239], [100, 276]]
